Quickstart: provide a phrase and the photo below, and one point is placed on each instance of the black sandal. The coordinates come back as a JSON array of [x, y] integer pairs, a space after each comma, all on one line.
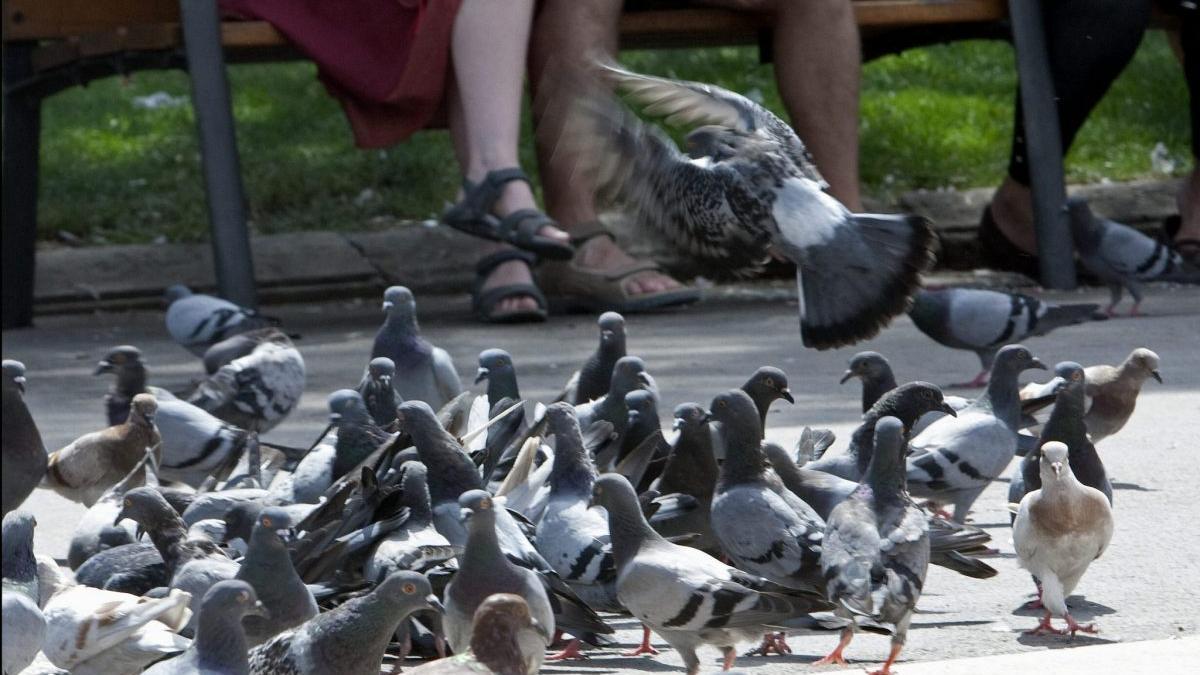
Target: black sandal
[[474, 216], [483, 302]]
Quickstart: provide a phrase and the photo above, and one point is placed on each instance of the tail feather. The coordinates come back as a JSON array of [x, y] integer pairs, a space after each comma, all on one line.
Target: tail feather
[[852, 287], [964, 565]]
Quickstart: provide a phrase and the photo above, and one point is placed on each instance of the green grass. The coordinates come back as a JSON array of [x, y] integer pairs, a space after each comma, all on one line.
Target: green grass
[[936, 117]]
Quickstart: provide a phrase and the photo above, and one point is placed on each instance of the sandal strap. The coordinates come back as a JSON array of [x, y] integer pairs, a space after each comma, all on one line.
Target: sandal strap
[[482, 196], [625, 271], [585, 232], [491, 261], [485, 301]]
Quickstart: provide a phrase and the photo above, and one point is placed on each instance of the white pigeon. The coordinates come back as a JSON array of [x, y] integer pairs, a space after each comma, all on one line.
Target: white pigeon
[[1060, 529]]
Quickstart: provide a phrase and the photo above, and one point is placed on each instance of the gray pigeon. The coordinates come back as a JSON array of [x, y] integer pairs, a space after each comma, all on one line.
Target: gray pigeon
[[908, 402], [644, 448], [197, 321], [876, 551], [591, 381], [24, 454], [983, 321], [228, 350], [876, 375], [18, 565], [268, 568], [24, 624], [1060, 529], [351, 638], [629, 374], [416, 545], [1113, 390], [1066, 425], [423, 372], [124, 361], [956, 458], [379, 391], [220, 645], [683, 492], [750, 186], [1122, 257], [482, 571], [767, 385], [687, 596], [499, 626], [256, 391]]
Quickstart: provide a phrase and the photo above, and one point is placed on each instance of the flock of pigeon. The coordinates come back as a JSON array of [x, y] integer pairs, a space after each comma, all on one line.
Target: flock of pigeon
[[479, 529]]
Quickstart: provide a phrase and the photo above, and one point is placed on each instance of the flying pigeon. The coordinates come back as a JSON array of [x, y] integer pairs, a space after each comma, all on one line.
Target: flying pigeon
[[423, 372], [23, 453], [378, 391], [220, 644], [91, 464], [983, 321], [956, 458], [197, 321], [748, 185], [256, 391], [1060, 529], [1122, 257], [876, 550], [591, 381]]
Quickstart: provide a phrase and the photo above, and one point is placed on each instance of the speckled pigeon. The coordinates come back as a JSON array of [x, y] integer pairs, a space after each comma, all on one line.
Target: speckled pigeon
[[257, 391]]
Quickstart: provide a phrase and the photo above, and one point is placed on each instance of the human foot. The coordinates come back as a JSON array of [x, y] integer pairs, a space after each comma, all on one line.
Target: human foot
[[512, 272], [602, 253], [499, 206]]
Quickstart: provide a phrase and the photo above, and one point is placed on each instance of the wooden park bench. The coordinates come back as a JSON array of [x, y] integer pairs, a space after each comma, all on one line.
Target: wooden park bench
[[51, 45]]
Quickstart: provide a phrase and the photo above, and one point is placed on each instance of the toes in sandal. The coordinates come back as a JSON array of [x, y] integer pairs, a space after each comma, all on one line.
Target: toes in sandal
[[484, 301], [474, 216], [574, 288]]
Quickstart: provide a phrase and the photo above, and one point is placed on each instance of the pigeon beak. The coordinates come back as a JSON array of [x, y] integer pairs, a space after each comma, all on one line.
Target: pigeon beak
[[786, 394], [1037, 363], [334, 418], [388, 304], [1156, 375], [464, 515], [846, 377], [20, 382], [677, 424], [606, 335], [435, 604], [103, 367], [1057, 467], [481, 375], [946, 408], [258, 609], [633, 417], [643, 379], [120, 516], [1057, 385], [706, 416]]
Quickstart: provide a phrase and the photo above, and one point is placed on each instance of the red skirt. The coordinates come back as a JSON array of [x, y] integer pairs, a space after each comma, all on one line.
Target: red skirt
[[386, 61]]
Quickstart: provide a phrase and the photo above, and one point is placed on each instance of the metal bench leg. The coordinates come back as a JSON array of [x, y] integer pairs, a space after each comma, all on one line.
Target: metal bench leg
[[1043, 144], [218, 150], [22, 124]]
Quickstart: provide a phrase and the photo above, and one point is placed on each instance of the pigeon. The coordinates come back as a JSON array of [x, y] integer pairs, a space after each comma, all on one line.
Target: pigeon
[[268, 568], [1121, 257], [379, 392], [482, 571], [125, 361], [351, 638], [24, 624], [767, 385], [750, 186], [23, 453], [357, 437], [1060, 529], [256, 391], [683, 492], [1113, 391], [18, 564], [88, 466], [908, 402], [956, 457], [591, 381], [90, 631], [629, 374], [983, 321], [228, 350], [687, 596], [1066, 425], [423, 372], [416, 545], [876, 375], [197, 321], [644, 448], [134, 568], [763, 528], [220, 644], [86, 540], [498, 628], [876, 550]]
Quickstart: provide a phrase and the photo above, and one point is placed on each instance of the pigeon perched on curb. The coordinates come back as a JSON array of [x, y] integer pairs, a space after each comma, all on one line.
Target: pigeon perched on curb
[[684, 489], [24, 454], [1059, 530], [89, 465], [1113, 391], [767, 385], [687, 596], [1121, 256], [378, 391], [267, 567], [482, 571], [497, 630], [956, 458], [351, 638], [197, 321], [983, 321], [423, 372], [220, 645], [750, 186], [876, 550], [591, 381], [256, 391]]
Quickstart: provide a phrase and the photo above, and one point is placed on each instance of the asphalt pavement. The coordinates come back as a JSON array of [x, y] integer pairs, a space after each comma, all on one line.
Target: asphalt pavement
[[1144, 588]]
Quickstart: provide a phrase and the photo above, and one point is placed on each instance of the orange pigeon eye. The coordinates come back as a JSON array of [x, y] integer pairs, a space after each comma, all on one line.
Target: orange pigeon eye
[[409, 589]]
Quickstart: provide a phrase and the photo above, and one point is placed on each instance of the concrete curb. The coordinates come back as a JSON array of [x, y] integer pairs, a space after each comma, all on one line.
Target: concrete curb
[[433, 259]]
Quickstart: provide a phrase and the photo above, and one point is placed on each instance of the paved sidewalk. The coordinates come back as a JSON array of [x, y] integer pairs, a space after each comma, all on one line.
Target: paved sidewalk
[[1144, 588]]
